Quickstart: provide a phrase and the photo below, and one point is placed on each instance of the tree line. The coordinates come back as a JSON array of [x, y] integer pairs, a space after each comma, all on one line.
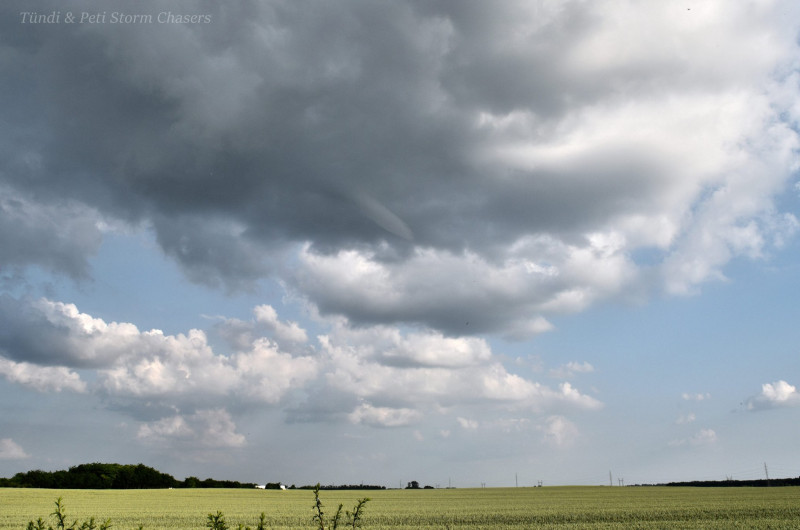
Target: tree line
[[333, 487], [111, 476], [739, 483]]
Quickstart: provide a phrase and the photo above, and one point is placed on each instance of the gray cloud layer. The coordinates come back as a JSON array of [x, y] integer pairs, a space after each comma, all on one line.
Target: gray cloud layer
[[449, 163]]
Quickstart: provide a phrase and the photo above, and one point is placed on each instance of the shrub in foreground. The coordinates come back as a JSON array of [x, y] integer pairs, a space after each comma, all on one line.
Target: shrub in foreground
[[353, 518], [60, 516]]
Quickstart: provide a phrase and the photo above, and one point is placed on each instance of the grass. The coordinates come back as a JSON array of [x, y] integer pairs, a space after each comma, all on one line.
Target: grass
[[555, 507]]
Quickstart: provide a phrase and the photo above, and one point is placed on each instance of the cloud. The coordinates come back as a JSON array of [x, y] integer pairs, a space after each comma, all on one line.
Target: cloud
[[559, 431], [774, 395], [570, 369], [571, 395], [425, 178], [384, 217], [208, 428], [55, 333], [467, 423], [240, 334], [185, 367], [359, 364], [375, 376], [166, 428], [696, 397], [291, 331], [57, 235], [509, 297], [383, 416], [389, 346], [267, 374], [42, 378], [464, 169], [216, 253], [704, 437], [11, 450], [701, 438], [509, 425], [48, 338], [688, 418]]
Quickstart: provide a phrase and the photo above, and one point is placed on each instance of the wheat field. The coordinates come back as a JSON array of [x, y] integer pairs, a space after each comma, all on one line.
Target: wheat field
[[492, 508]]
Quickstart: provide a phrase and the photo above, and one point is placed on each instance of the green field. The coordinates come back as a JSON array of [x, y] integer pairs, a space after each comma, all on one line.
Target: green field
[[554, 507]]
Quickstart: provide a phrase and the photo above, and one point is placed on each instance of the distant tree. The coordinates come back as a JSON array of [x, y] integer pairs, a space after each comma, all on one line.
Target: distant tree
[[413, 485], [95, 476]]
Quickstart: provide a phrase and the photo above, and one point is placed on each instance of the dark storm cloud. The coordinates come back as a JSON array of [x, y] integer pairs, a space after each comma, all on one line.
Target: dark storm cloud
[[58, 236], [270, 125], [281, 116], [499, 63], [27, 335], [394, 128]]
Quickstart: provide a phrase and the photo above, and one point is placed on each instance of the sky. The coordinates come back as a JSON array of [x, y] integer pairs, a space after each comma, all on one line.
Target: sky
[[458, 242]]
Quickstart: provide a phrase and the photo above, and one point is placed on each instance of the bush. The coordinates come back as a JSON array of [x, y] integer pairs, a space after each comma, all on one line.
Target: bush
[[353, 518], [60, 516]]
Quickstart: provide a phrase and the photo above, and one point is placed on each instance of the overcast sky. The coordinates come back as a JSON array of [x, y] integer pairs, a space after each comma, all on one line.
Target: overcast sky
[[443, 241]]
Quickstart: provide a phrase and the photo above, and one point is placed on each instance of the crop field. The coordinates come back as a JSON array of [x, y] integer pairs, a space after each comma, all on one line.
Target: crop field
[[493, 508]]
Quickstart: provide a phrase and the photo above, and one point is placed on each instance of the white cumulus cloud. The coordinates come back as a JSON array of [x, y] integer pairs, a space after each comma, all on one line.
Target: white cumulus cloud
[[773, 395], [559, 431], [700, 438], [468, 424], [383, 416], [357, 368], [207, 428], [11, 450], [42, 378], [289, 331], [570, 369]]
